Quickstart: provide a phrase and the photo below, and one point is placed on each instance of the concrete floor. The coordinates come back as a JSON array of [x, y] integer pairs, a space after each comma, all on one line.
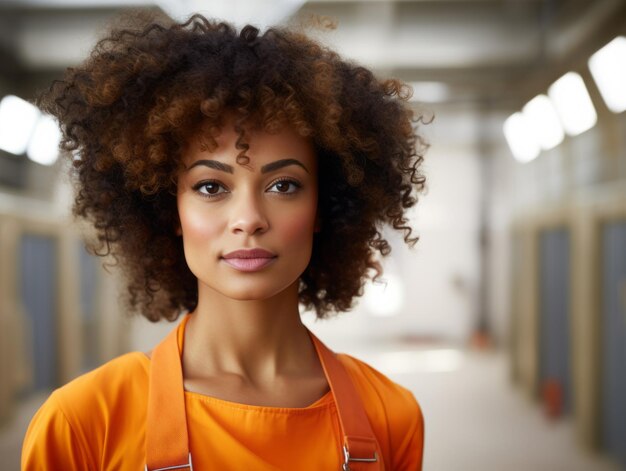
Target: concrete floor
[[475, 420]]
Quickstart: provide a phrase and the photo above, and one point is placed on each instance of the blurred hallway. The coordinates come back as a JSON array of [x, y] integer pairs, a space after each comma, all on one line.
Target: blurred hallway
[[475, 419]]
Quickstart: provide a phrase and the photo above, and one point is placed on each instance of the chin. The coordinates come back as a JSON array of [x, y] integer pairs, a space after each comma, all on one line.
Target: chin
[[250, 293], [248, 296]]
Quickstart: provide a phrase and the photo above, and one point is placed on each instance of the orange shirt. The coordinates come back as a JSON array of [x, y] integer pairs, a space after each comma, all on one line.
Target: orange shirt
[[97, 422]]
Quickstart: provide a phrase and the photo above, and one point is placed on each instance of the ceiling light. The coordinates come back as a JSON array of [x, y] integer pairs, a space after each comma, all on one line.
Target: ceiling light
[[608, 67], [43, 147], [573, 104], [520, 137], [17, 121], [542, 118]]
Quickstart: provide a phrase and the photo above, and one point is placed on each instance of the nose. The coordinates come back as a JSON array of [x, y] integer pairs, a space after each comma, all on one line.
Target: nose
[[248, 214]]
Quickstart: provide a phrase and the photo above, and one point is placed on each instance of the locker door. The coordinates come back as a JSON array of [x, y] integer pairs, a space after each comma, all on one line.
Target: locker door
[[38, 259], [554, 313], [614, 339]]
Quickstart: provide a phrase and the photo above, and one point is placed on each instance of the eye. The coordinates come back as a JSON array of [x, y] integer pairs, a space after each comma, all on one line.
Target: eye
[[211, 187], [283, 186]]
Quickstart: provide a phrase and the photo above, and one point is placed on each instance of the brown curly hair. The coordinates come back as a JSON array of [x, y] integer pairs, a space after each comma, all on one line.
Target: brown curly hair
[[127, 111]]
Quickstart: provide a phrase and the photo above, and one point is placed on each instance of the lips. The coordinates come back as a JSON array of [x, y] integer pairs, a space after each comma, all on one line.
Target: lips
[[249, 253], [249, 260]]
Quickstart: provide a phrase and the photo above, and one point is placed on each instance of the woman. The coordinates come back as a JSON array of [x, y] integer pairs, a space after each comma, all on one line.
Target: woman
[[233, 176]]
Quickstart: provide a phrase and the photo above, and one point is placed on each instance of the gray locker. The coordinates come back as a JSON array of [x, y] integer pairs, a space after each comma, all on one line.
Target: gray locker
[[38, 260], [614, 339], [554, 312]]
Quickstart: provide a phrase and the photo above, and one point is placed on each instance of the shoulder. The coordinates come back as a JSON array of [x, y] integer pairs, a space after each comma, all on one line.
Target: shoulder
[[111, 379], [106, 391], [76, 418], [104, 386], [378, 387]]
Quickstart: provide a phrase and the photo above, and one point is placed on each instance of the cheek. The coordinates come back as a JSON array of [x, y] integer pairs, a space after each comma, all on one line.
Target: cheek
[[196, 224], [297, 229], [298, 226]]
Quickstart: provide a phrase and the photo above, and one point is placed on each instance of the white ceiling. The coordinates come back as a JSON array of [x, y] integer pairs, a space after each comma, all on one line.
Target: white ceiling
[[491, 51]]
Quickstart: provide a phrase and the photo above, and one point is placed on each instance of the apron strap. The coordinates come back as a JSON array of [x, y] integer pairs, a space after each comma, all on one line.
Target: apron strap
[[360, 447], [167, 443]]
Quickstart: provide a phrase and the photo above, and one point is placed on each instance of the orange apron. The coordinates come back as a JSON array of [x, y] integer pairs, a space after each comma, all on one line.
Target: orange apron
[[167, 444]]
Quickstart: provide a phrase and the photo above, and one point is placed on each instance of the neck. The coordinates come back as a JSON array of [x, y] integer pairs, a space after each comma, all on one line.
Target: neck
[[258, 340]]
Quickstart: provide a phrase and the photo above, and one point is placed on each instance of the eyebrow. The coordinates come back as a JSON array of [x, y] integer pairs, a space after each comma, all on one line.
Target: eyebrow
[[264, 169]]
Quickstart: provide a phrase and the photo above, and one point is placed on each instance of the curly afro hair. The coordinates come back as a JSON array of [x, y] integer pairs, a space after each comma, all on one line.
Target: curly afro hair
[[127, 111]]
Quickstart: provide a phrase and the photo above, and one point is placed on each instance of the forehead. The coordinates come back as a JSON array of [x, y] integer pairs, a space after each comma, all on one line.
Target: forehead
[[264, 147]]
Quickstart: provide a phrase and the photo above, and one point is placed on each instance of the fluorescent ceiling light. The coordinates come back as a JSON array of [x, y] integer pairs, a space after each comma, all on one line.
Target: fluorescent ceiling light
[[520, 137], [385, 297], [608, 67], [17, 121], [573, 104], [542, 118], [430, 92], [43, 147]]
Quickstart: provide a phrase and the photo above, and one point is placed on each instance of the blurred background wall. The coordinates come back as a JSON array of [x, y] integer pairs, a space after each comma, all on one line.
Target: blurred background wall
[[522, 251]]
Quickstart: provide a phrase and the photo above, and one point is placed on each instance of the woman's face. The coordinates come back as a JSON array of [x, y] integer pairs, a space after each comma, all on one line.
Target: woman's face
[[269, 204]]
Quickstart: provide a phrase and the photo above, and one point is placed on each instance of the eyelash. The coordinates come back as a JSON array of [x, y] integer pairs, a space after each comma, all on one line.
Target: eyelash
[[202, 184]]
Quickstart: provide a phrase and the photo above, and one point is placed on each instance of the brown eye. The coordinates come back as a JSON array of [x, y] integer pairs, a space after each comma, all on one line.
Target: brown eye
[[211, 189], [283, 186]]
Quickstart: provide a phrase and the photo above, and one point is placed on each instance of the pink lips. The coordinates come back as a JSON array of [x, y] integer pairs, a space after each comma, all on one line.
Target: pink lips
[[249, 260]]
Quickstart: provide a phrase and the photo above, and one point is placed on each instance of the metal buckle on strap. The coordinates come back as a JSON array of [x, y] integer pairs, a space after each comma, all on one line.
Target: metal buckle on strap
[[189, 465], [347, 458]]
